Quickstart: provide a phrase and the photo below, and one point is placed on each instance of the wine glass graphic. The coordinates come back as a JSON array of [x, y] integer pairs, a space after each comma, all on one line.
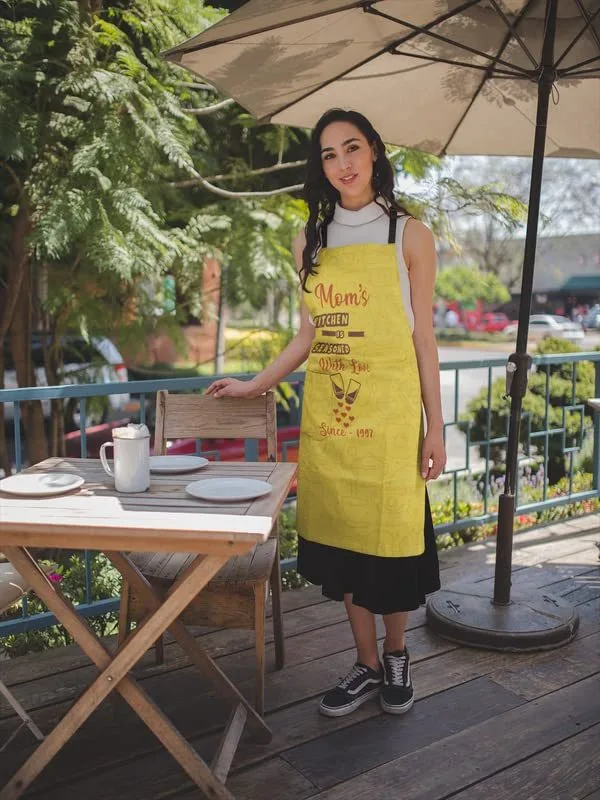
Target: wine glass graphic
[[352, 391], [337, 383]]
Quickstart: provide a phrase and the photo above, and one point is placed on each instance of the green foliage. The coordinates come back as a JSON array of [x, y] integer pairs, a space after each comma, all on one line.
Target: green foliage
[[106, 583], [97, 133], [288, 541], [467, 285], [258, 349], [563, 391]]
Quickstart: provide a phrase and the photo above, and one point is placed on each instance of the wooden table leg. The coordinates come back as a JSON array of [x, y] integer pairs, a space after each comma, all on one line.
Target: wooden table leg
[[114, 674], [190, 645]]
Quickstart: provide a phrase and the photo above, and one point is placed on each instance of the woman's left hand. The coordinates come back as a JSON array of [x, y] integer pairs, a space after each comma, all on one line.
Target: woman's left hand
[[433, 455]]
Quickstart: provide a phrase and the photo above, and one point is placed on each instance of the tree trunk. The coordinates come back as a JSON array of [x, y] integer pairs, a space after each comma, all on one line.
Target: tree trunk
[[4, 457], [20, 337], [54, 369]]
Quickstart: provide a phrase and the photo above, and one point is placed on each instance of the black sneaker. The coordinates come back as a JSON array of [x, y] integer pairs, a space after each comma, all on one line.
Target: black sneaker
[[397, 693], [360, 684]]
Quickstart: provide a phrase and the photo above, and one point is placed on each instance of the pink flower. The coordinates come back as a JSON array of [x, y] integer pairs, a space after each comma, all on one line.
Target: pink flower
[[55, 577]]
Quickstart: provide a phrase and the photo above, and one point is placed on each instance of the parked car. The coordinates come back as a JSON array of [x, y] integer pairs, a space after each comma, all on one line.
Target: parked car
[[543, 326], [96, 361], [493, 322], [95, 436], [591, 320]]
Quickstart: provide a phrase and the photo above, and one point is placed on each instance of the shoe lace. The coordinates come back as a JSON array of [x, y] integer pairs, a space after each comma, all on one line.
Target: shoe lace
[[357, 671], [397, 665]]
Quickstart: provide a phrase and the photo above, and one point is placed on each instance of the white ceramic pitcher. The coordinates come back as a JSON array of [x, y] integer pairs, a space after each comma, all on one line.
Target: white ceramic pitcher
[[131, 462]]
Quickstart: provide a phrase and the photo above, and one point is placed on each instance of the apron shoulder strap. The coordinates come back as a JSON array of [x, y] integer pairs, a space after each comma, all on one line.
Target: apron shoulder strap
[[393, 223]]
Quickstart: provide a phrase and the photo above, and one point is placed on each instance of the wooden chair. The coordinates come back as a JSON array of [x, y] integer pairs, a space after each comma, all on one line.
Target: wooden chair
[[236, 596], [12, 587]]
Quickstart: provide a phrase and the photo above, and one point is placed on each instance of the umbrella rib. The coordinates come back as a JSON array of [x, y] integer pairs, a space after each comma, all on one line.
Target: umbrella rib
[[372, 57], [512, 29], [589, 19], [192, 48], [426, 31], [565, 72], [486, 77], [454, 63], [585, 73]]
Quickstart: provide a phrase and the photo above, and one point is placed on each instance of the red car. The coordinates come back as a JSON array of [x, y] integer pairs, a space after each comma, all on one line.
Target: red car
[[493, 322]]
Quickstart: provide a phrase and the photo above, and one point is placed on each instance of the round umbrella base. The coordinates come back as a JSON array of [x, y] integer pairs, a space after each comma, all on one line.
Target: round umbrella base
[[465, 613]]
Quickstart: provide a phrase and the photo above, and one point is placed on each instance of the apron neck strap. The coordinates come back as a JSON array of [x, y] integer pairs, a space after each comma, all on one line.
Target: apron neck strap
[[392, 229]]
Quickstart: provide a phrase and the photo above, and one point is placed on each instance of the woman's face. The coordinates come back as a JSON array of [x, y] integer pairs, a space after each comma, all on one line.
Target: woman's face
[[347, 160]]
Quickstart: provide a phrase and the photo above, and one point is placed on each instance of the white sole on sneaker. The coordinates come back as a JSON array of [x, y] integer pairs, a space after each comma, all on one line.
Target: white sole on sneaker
[[397, 709], [348, 709]]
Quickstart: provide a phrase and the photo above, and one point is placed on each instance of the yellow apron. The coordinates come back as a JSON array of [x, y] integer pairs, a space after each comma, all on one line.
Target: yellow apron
[[359, 481]]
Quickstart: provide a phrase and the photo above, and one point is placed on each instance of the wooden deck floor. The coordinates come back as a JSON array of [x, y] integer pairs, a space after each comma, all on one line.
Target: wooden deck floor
[[485, 724]]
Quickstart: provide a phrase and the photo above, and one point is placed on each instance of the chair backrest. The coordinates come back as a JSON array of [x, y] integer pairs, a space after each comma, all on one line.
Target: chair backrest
[[199, 417]]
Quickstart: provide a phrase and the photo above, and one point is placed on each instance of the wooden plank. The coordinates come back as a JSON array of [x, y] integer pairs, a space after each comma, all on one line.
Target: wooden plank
[[533, 727], [221, 763], [272, 779], [569, 771], [79, 536], [199, 416], [54, 664], [341, 755], [566, 665]]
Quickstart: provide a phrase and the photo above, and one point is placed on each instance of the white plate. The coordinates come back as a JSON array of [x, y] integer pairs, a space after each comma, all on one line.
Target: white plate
[[164, 464], [41, 483], [228, 489]]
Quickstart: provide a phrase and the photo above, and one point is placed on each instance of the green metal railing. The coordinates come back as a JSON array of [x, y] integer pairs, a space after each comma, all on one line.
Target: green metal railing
[[479, 451]]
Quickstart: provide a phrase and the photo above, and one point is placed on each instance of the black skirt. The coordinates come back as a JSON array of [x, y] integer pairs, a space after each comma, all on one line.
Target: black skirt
[[381, 585]]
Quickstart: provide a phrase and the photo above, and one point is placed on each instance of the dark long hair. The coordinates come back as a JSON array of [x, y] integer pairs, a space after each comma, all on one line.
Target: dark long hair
[[322, 197]]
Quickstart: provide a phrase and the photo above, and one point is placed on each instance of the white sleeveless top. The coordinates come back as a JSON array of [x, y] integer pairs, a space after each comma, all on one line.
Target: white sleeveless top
[[370, 225]]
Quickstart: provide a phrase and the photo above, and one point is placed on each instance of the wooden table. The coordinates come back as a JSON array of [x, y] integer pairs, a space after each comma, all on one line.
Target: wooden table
[[165, 519]]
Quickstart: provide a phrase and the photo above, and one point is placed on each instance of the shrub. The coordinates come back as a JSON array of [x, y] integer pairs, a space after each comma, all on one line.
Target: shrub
[[560, 378], [70, 572]]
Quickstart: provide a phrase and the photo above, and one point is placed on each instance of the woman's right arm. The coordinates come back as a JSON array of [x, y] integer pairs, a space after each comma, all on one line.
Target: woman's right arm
[[290, 359]]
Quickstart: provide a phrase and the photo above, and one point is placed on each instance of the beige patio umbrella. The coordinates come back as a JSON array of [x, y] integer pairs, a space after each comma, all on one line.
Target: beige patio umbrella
[[494, 77], [444, 77]]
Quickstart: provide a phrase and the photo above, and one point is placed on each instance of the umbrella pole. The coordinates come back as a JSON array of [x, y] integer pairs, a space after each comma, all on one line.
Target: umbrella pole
[[516, 375], [463, 612]]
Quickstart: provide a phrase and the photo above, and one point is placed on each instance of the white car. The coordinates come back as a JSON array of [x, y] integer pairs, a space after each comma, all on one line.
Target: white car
[[543, 326], [96, 361]]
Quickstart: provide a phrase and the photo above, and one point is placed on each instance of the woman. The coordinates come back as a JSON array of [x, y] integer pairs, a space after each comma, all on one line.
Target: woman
[[364, 524]]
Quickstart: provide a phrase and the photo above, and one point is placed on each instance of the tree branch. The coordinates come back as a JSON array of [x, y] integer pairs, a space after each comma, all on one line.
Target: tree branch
[[233, 176], [204, 112], [13, 175], [197, 86], [200, 181]]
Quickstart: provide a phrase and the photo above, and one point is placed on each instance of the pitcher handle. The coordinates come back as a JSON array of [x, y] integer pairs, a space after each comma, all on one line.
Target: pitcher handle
[[103, 458]]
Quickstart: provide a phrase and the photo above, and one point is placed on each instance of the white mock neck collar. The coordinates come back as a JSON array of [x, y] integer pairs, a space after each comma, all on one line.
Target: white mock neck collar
[[364, 215]]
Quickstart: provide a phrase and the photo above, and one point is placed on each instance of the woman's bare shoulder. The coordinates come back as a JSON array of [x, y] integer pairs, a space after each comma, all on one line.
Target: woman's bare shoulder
[[416, 231], [418, 240]]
